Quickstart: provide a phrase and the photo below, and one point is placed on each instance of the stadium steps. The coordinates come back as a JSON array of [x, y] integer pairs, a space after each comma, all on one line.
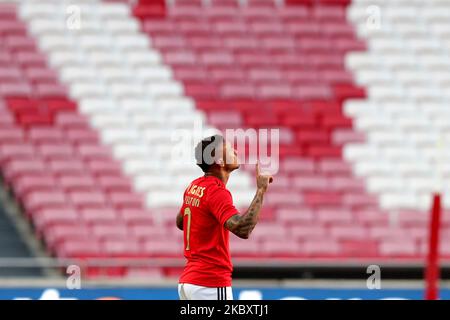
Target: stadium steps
[[16, 240]]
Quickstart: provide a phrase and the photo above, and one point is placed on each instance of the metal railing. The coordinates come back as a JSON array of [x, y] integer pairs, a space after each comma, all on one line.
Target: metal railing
[[242, 3], [45, 262]]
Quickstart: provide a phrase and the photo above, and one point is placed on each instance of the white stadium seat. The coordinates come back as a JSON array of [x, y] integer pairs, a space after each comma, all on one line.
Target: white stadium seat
[[404, 116]]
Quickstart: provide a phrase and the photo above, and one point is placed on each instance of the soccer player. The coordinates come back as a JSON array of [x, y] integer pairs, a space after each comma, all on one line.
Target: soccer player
[[206, 217]]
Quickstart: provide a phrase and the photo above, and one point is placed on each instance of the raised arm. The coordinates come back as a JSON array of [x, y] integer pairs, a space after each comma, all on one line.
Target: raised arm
[[243, 225]]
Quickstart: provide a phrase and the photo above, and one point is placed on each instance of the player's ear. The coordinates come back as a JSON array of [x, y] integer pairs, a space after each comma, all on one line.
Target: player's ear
[[221, 162]]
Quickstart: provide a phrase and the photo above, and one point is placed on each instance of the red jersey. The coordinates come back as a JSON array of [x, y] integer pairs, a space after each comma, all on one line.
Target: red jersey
[[207, 205]]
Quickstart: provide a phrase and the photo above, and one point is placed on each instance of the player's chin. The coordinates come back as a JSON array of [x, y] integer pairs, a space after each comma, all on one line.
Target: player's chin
[[235, 166]]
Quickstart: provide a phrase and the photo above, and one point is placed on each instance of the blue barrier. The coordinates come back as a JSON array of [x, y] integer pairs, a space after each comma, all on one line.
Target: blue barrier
[[256, 293]]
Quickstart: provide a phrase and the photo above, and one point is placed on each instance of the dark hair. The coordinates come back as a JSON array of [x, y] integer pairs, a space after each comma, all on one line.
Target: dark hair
[[205, 151]]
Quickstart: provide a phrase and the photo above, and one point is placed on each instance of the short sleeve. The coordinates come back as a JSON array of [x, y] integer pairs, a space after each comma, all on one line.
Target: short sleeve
[[221, 205]]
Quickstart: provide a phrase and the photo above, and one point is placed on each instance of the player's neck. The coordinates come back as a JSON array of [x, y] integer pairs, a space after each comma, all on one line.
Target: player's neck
[[221, 175]]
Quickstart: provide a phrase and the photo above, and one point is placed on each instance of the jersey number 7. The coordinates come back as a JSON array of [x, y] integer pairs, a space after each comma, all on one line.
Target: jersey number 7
[[187, 212]]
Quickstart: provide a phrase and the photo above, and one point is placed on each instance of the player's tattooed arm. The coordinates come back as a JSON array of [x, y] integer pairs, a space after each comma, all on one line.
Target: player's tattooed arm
[[243, 225], [180, 221]]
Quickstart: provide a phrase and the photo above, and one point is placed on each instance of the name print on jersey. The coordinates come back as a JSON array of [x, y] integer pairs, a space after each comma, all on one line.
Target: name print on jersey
[[196, 192]]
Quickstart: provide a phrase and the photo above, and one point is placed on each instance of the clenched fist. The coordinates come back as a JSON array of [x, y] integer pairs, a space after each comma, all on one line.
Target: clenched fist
[[262, 181]]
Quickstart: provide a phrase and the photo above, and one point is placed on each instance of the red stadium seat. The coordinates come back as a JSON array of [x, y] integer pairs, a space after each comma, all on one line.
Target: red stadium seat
[[381, 232], [38, 73], [315, 199], [307, 231], [136, 216], [10, 134], [109, 231], [89, 152], [16, 152], [419, 234], [267, 231], [144, 273], [6, 119], [126, 199], [55, 151], [298, 165], [104, 167], [247, 249], [44, 199], [334, 166], [148, 231], [372, 217], [87, 199], [16, 168], [321, 248], [311, 183], [189, 74], [359, 199], [348, 232], [25, 184], [398, 247], [281, 248], [364, 249], [66, 166], [49, 217], [80, 182], [79, 249], [295, 215], [45, 135], [98, 215], [114, 183], [225, 119], [413, 218], [59, 232], [121, 248], [347, 184], [82, 136], [334, 216], [71, 120], [280, 199], [162, 248]]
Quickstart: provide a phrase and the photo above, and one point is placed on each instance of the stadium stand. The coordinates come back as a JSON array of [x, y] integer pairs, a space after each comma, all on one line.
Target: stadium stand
[[87, 116], [407, 147], [13, 246]]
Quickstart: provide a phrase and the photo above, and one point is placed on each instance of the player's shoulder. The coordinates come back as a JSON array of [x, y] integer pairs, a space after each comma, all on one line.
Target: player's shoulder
[[217, 190], [210, 183], [215, 183], [206, 182]]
